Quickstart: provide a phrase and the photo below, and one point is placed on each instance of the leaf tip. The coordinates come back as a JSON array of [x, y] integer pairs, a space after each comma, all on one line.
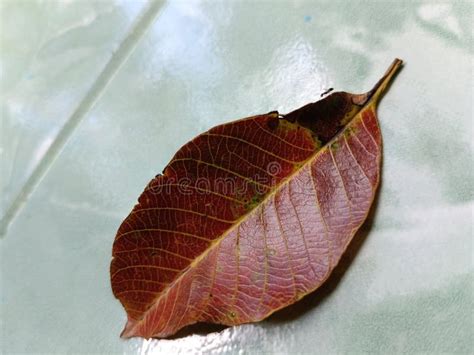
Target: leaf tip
[[129, 330]]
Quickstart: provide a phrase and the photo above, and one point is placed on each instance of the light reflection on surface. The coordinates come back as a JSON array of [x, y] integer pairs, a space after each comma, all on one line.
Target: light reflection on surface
[[228, 341]]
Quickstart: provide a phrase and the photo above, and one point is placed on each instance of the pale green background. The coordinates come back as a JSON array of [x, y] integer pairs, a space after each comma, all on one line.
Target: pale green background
[[97, 96]]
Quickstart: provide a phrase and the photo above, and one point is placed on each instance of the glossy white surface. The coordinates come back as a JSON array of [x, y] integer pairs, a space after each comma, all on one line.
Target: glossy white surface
[[406, 285], [52, 53]]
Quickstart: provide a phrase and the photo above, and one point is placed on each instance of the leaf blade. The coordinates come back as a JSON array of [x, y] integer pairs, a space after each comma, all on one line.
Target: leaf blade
[[222, 262]]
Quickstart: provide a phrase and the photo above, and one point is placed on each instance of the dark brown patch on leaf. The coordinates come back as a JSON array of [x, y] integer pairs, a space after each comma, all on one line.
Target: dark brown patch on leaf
[[324, 117]]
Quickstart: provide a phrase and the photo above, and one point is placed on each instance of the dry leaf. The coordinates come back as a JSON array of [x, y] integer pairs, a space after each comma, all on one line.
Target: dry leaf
[[250, 216]]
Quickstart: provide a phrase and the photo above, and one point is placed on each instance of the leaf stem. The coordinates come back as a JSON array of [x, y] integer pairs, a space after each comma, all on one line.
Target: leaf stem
[[383, 83]]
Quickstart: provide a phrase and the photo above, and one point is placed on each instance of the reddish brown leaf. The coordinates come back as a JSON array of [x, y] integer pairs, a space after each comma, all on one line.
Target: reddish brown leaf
[[250, 216]]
